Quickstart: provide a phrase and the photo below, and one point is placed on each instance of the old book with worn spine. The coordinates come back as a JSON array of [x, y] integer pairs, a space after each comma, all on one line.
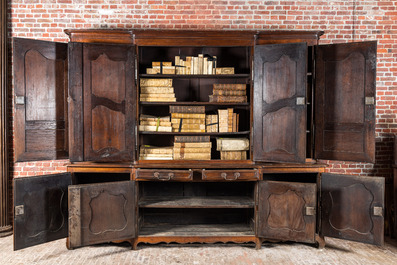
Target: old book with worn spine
[[230, 99], [188, 116], [193, 145], [187, 109], [233, 155], [229, 86], [157, 90], [224, 71], [232, 144], [191, 139], [156, 82]]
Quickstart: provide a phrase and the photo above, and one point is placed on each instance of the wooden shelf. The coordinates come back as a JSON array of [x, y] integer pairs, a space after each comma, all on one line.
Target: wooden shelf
[[213, 230], [196, 202], [198, 133], [195, 76], [194, 103]]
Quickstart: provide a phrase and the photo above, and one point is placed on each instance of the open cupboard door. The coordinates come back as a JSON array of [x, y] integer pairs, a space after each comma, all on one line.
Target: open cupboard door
[[345, 102], [280, 103], [40, 209], [352, 208], [40, 83], [101, 213]]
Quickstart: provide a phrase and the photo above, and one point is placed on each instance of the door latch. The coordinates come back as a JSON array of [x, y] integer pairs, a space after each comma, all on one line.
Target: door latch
[[19, 210]]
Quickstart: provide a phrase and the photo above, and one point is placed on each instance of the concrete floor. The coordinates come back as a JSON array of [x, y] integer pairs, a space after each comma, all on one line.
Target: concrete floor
[[336, 252]]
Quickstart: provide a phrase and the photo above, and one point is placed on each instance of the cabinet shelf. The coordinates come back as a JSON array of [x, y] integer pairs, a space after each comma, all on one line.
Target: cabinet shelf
[[198, 133], [196, 202], [213, 230], [195, 76], [194, 103]]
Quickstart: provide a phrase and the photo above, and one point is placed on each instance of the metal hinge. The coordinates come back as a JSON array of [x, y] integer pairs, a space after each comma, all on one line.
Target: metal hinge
[[369, 101], [19, 210], [378, 211], [310, 211], [300, 101], [19, 100]]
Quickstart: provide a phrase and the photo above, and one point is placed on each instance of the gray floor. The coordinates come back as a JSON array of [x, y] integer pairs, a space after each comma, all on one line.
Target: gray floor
[[336, 252]]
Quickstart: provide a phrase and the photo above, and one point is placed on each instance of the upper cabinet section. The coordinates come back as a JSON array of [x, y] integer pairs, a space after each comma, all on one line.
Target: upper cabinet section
[[345, 101], [40, 81]]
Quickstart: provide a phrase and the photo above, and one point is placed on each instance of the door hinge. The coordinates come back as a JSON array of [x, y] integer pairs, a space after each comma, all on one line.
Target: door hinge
[[19, 100], [300, 101], [378, 211], [310, 211], [19, 210], [369, 101]]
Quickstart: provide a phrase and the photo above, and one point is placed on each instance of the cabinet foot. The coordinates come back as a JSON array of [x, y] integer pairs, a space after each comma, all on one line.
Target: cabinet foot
[[134, 244], [320, 241], [68, 244], [258, 243]]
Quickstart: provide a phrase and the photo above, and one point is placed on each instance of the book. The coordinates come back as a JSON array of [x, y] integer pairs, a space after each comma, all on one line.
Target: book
[[188, 65], [178, 150], [191, 126], [150, 128], [195, 65], [230, 120], [155, 123], [177, 68], [187, 109], [191, 139], [188, 130], [157, 95], [154, 118], [154, 64], [193, 145], [188, 121], [205, 66], [157, 90], [156, 82], [192, 156], [223, 120], [165, 70], [231, 99], [228, 92], [233, 155], [144, 157], [232, 144], [200, 64], [149, 149], [188, 115], [230, 86], [158, 99], [224, 71]]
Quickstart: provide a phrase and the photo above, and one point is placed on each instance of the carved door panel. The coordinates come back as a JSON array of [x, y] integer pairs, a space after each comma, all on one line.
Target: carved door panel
[[287, 211], [40, 83], [345, 101], [352, 208], [101, 213], [279, 102], [109, 102], [40, 209]]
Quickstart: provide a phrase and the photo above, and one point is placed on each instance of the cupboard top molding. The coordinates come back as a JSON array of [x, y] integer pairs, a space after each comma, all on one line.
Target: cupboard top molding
[[143, 37]]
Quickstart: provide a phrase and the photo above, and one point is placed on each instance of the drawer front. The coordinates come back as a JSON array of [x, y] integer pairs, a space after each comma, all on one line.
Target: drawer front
[[164, 175], [231, 175]]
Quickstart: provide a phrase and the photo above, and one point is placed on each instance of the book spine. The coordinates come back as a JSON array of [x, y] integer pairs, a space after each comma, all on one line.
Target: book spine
[[200, 64], [159, 95], [163, 82], [147, 150], [191, 139], [149, 128], [232, 99], [188, 115], [224, 71], [191, 150], [189, 126], [233, 155], [188, 121], [177, 68], [192, 156], [155, 123], [205, 66], [232, 144], [230, 86], [144, 117], [224, 92], [157, 90], [230, 120], [195, 65], [187, 109], [193, 145], [158, 99]]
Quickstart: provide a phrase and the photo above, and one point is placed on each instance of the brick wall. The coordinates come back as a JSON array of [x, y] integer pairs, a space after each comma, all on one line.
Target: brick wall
[[342, 21]]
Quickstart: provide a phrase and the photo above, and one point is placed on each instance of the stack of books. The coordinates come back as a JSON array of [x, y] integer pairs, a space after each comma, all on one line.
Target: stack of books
[[188, 118], [149, 123], [164, 68], [232, 148], [228, 120], [200, 65], [235, 93], [211, 123], [192, 148], [156, 90], [224, 71], [147, 152]]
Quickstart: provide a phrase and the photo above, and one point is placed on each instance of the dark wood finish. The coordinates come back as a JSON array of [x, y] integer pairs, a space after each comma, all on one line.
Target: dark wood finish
[[101, 213], [109, 102], [352, 208], [345, 81], [5, 226], [75, 102], [164, 175], [100, 36], [277, 37], [40, 209], [287, 211], [196, 202], [280, 103], [230, 175], [40, 83], [395, 184]]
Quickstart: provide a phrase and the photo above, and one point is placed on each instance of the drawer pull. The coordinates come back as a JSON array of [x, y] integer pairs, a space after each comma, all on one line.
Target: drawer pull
[[165, 178], [236, 175]]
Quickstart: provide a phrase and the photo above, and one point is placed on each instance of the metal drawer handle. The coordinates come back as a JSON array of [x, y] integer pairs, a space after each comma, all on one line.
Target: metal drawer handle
[[158, 176], [235, 174]]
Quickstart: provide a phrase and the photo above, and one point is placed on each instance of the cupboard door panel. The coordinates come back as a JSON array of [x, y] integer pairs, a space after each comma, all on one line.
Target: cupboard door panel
[[287, 211], [279, 103], [101, 213], [345, 101], [40, 209], [109, 102], [40, 79], [352, 208]]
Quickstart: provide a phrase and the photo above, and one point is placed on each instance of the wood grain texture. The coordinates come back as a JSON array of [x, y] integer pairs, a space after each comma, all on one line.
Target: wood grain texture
[[279, 121], [196, 202], [40, 80], [347, 208], [345, 79]]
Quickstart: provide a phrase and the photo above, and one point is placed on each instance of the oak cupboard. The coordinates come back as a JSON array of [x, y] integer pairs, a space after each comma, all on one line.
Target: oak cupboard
[[80, 101]]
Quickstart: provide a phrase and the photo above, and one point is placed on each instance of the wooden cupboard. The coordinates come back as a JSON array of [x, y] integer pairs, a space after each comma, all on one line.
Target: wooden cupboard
[[81, 100]]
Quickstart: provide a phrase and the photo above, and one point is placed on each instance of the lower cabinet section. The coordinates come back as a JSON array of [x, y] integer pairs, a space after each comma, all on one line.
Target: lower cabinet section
[[196, 205]]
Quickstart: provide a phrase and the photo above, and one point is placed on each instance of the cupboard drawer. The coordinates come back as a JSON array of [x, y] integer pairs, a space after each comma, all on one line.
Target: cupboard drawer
[[164, 175], [231, 174]]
